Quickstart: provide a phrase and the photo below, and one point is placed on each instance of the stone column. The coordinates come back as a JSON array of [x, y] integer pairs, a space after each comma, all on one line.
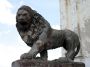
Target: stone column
[[75, 15]]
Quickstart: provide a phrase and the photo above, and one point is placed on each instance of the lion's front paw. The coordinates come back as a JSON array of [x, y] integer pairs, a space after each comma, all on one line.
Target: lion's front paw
[[26, 56]]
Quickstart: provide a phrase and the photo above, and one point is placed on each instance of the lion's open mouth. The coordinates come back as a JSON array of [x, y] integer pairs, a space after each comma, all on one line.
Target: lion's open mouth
[[23, 23]]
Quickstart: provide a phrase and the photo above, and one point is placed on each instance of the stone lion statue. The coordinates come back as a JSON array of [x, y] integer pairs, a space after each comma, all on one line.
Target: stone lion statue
[[37, 33]]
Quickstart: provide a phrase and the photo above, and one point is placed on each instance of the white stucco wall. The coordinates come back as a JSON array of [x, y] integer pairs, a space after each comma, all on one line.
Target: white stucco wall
[[75, 15]]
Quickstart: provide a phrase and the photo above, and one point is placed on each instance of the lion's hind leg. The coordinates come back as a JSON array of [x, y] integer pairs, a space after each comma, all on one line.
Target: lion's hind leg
[[72, 48]]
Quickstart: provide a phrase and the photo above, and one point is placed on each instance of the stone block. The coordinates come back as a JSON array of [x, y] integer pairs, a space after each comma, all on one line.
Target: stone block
[[40, 63]]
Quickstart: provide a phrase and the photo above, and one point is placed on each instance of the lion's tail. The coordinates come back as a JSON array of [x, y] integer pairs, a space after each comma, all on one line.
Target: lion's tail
[[77, 50]]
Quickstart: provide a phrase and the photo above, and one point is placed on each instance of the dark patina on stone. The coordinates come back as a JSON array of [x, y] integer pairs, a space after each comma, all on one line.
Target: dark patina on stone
[[37, 33]]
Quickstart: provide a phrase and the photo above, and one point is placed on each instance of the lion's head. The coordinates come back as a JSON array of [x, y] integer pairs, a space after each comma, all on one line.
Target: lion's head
[[28, 19], [24, 17]]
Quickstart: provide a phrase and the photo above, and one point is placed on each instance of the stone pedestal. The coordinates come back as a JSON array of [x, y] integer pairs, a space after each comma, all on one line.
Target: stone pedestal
[[40, 63]]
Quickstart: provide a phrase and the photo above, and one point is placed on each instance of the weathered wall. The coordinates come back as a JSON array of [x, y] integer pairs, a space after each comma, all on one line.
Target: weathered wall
[[75, 15]]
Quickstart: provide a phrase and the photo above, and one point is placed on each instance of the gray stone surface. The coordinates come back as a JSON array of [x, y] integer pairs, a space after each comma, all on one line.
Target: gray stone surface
[[40, 63]]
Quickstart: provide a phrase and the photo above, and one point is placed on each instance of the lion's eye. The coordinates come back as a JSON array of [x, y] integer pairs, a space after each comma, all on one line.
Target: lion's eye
[[18, 15], [24, 14]]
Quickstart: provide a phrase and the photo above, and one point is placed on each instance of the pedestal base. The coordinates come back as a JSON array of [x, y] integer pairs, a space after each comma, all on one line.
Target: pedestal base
[[40, 63]]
